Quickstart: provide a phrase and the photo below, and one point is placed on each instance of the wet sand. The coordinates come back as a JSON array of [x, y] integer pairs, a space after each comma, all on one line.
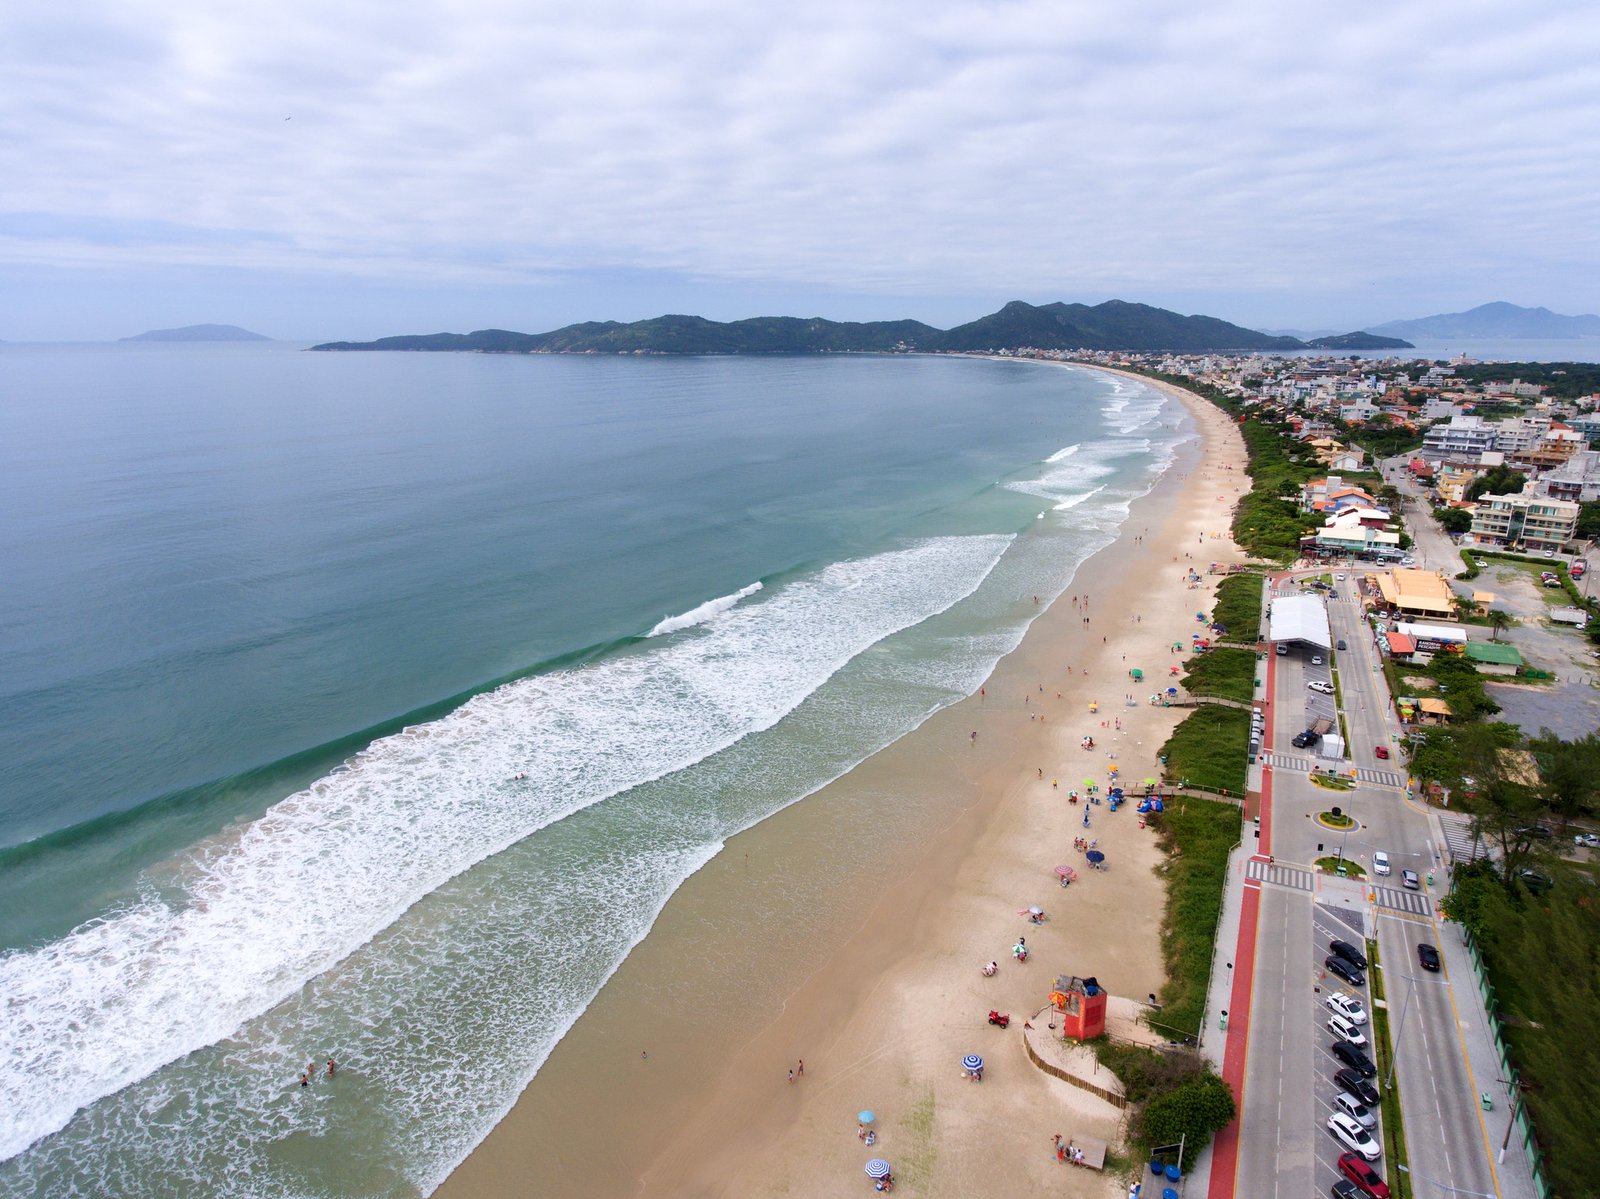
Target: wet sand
[[848, 930]]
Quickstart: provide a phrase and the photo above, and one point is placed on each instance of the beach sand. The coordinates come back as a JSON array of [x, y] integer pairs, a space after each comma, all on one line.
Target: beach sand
[[849, 929]]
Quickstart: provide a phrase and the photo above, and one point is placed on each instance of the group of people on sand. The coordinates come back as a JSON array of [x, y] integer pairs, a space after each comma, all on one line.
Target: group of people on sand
[[1068, 1153], [310, 1072]]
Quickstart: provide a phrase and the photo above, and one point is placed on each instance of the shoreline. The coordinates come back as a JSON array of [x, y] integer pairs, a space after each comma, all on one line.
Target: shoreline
[[875, 983]]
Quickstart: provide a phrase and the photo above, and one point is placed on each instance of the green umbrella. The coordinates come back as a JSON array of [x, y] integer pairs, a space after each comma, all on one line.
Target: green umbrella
[[1089, 783], [1149, 782], [1137, 674]]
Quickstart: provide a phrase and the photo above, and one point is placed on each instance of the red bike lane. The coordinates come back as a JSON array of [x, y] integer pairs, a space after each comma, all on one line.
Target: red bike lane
[[1225, 1155]]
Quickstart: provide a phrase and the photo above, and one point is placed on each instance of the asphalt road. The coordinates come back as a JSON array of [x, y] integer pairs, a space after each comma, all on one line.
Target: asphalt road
[[1285, 1146]]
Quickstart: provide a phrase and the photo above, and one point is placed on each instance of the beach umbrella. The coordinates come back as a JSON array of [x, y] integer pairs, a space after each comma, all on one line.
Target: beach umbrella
[[1036, 911], [878, 1168], [1094, 855], [1065, 872], [972, 1062], [1089, 783], [1172, 691], [867, 1116], [1137, 674], [1150, 782]]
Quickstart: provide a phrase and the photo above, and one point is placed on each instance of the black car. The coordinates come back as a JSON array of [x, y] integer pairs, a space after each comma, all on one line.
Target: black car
[[1302, 740], [1428, 956], [1349, 953], [1354, 1058], [1537, 832], [1337, 965], [1352, 1081], [1345, 1189]]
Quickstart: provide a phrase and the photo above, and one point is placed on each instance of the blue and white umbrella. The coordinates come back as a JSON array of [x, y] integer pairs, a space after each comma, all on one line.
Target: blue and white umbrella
[[878, 1168], [972, 1062], [866, 1115]]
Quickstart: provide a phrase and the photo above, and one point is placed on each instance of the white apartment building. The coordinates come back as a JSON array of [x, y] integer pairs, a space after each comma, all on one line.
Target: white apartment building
[[1524, 521]]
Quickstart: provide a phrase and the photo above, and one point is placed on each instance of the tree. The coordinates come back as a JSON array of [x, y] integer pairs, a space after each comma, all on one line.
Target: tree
[[1569, 773], [1192, 1113], [1453, 520], [1497, 480], [1498, 622]]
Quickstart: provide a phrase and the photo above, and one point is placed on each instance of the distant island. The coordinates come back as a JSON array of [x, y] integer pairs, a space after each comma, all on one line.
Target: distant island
[[1497, 320], [200, 333], [1114, 325], [1359, 341]]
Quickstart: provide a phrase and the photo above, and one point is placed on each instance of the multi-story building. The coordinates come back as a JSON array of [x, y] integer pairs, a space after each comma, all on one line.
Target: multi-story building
[[1460, 435], [1577, 479], [1524, 520]]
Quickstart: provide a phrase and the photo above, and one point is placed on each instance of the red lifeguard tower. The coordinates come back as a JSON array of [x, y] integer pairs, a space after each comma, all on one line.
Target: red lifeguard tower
[[1082, 1004]]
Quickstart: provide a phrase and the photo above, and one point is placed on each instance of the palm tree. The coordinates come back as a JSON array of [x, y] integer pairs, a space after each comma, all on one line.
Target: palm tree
[[1498, 620]]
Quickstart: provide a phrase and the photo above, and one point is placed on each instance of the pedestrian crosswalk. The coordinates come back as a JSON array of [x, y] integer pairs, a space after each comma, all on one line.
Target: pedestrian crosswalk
[[1401, 901], [1384, 778], [1294, 877], [1458, 837], [1287, 762]]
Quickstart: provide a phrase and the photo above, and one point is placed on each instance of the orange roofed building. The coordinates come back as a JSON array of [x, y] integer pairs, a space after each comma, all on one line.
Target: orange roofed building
[[1082, 1003]]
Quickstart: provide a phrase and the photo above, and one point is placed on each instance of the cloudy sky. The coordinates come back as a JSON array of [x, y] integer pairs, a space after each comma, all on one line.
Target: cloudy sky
[[353, 168]]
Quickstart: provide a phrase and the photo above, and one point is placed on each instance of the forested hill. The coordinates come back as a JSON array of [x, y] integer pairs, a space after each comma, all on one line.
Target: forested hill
[[1114, 325]]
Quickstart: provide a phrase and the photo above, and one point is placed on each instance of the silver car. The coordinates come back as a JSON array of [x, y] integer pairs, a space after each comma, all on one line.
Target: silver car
[[1411, 881]]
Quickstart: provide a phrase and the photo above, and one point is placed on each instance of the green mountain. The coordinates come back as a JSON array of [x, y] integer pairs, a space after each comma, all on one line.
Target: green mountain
[[1114, 325], [1496, 320], [200, 333], [1359, 341]]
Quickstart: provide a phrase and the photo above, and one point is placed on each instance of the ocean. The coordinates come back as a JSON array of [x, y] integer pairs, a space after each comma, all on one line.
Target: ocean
[[373, 705]]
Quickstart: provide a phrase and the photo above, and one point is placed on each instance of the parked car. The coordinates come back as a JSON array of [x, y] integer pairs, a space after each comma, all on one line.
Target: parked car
[[1347, 1006], [1353, 1137], [1380, 751], [1367, 1180], [1589, 840], [1380, 862], [1345, 1029], [1358, 1086], [1536, 882], [1355, 1058], [1345, 1189], [1428, 957], [1355, 1109], [1479, 562], [1319, 686], [1552, 582], [1410, 880], [1316, 659], [1535, 832], [1337, 965], [1549, 553], [1349, 953], [1302, 740]]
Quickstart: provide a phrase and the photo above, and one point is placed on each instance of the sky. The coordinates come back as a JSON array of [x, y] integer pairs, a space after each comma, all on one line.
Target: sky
[[351, 169]]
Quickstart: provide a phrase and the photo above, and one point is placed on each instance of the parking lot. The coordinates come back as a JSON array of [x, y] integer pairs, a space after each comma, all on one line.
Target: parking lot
[[1345, 924]]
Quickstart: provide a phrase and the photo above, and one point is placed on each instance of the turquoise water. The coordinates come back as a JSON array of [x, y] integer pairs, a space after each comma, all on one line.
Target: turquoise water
[[377, 703]]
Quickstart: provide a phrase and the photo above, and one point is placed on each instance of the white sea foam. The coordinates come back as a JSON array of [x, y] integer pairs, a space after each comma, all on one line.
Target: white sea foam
[[252, 920], [703, 613]]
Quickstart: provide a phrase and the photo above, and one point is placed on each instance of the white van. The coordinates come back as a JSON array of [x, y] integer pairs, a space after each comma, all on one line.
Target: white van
[[1346, 1031], [1380, 862]]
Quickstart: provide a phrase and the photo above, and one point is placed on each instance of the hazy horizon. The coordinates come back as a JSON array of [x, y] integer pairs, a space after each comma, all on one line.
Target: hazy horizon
[[313, 174]]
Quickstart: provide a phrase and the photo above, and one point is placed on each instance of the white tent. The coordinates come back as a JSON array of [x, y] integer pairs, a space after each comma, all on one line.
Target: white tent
[[1300, 618]]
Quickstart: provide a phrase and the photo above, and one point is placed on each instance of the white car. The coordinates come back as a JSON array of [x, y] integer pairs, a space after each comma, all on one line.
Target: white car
[[1588, 839], [1346, 1030], [1355, 1109], [1353, 1136], [1316, 659], [1347, 1006], [1319, 686]]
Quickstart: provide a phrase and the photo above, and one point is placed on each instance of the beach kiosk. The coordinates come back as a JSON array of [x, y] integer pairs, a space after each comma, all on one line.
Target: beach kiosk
[[1082, 1004]]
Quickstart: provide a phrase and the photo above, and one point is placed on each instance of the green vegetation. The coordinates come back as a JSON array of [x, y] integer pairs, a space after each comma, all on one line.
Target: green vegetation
[[1564, 380], [1453, 520], [1542, 954], [1268, 521], [1497, 480], [1588, 521], [1197, 835], [1225, 673], [1176, 1095], [1208, 750], [1382, 438], [1337, 865], [1238, 607], [1394, 1129], [1359, 341], [1114, 325]]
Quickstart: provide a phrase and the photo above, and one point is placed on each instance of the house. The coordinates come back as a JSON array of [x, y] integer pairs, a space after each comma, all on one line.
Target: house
[[1494, 657], [1332, 495], [1401, 646], [1406, 592], [1524, 520], [1357, 532]]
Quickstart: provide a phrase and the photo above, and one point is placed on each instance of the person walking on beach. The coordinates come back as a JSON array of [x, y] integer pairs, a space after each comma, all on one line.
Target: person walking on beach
[[791, 1075], [801, 1069]]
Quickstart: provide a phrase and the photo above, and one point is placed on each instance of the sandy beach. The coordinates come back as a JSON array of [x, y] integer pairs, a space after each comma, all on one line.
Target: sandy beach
[[851, 938]]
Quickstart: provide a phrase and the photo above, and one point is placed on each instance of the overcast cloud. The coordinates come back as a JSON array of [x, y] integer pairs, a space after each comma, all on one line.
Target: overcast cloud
[[360, 168]]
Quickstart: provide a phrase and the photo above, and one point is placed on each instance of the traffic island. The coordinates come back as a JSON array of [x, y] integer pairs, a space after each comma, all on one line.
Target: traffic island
[[1336, 819]]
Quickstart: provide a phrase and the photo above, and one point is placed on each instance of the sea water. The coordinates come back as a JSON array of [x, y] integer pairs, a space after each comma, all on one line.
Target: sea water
[[373, 705]]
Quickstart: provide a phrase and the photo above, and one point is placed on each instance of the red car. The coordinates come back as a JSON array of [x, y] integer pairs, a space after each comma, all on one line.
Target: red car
[[1363, 1175], [1382, 751]]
